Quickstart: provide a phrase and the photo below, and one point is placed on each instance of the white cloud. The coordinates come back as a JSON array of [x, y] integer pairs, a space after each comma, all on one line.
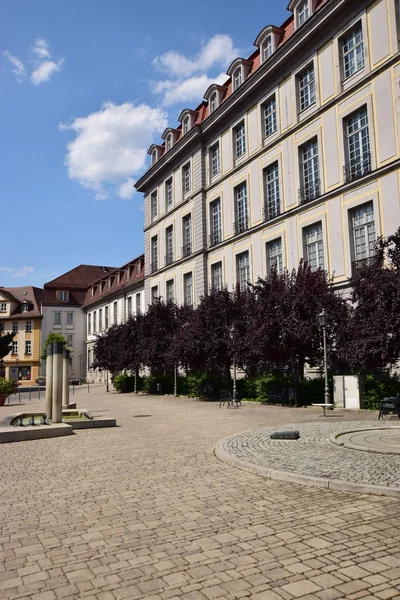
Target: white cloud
[[45, 70], [6, 269], [188, 90], [23, 272], [41, 49], [19, 69], [219, 50], [188, 78], [126, 189], [110, 146]]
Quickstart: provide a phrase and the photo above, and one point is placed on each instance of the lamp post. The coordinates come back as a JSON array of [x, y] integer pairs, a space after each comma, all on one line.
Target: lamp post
[[234, 392], [19, 389], [322, 324], [80, 368], [2, 369], [107, 389], [175, 381], [88, 365]]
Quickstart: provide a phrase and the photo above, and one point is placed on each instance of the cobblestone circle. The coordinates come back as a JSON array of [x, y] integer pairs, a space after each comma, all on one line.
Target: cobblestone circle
[[314, 455], [146, 511]]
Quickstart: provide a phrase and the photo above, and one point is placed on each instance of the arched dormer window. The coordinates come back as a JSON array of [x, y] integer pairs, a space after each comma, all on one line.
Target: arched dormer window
[[153, 157], [303, 10], [238, 71], [188, 119], [170, 136], [214, 96], [155, 152], [268, 40], [168, 142]]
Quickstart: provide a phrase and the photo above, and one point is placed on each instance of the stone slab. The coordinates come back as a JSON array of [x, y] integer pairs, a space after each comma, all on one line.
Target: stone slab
[[37, 432]]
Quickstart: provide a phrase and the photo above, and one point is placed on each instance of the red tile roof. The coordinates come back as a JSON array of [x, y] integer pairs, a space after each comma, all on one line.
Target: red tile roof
[[202, 109], [125, 282]]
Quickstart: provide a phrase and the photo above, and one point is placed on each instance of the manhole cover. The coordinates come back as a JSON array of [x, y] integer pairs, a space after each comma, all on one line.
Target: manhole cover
[[138, 416]]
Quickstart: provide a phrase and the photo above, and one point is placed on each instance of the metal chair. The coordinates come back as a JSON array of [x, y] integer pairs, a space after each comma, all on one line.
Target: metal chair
[[225, 397], [389, 405]]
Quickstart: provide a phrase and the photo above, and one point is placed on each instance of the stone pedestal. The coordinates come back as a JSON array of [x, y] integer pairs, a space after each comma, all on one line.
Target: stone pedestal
[[57, 382], [65, 381], [49, 381]]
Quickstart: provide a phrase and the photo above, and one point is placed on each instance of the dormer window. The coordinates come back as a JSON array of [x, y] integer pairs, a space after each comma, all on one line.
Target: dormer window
[[128, 272], [170, 136], [62, 296], [213, 102], [118, 278], [237, 78], [139, 266], [186, 125], [25, 307], [101, 287], [153, 157], [169, 142], [109, 282], [303, 12], [93, 290], [267, 48]]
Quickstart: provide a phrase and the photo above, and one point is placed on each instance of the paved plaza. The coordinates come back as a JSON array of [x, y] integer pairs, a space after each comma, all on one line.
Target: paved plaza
[[146, 510]]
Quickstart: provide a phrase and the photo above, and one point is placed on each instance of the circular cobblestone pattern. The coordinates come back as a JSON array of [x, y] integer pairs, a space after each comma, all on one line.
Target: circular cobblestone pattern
[[318, 459], [383, 441]]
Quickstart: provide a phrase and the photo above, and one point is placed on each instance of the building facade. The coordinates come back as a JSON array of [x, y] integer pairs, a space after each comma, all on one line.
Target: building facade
[[295, 156], [20, 313], [63, 300], [112, 300]]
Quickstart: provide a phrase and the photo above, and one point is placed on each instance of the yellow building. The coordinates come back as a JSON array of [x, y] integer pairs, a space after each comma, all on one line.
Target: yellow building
[[20, 313]]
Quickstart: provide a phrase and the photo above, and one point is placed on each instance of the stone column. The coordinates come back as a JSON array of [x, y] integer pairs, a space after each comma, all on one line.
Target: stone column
[[65, 383], [57, 381], [49, 381]]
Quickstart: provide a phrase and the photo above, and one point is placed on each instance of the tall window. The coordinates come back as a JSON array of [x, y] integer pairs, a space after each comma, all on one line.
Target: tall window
[[303, 13], [269, 116], [106, 318], [186, 184], [169, 245], [215, 159], [215, 222], [128, 272], [169, 142], [237, 78], [153, 157], [154, 205], [358, 150], [154, 294], [240, 140], [187, 235], [353, 51], [169, 291], [267, 48], [89, 324], [274, 256], [28, 347], [309, 171], [186, 123], [241, 209], [306, 87], [14, 348], [115, 310], [188, 289], [70, 340], [138, 304], [28, 326], [154, 253], [168, 193], [363, 228], [314, 247], [243, 270], [129, 306], [70, 319], [94, 322], [216, 276], [63, 296], [213, 102], [57, 319], [272, 199], [100, 319]]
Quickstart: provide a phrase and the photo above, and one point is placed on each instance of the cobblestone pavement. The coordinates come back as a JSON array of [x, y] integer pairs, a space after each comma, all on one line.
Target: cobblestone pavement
[[145, 510], [315, 456]]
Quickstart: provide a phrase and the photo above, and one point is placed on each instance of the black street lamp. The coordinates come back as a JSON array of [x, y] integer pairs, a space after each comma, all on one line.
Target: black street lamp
[[234, 392], [19, 389], [80, 368], [322, 324], [107, 389], [2, 368]]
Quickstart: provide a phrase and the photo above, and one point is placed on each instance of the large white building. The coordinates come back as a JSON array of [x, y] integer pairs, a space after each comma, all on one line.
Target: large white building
[[296, 155]]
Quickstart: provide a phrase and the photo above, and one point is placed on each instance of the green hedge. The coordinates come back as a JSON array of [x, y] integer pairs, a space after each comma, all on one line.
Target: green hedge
[[379, 386]]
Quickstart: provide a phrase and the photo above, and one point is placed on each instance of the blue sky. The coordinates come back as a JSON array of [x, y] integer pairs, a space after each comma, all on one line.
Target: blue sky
[[86, 87]]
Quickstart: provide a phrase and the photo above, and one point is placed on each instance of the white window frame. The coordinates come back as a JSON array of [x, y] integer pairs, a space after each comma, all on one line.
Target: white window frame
[[70, 340], [115, 312], [241, 208], [106, 321], [188, 289], [28, 326], [352, 48], [267, 48], [55, 319], [154, 204], [213, 102], [169, 244], [63, 296], [366, 229], [14, 347], [28, 347], [269, 116], [310, 168], [186, 179], [186, 125], [314, 246], [153, 157], [68, 318], [272, 191], [302, 13], [154, 252], [3, 307], [138, 303], [240, 140], [237, 78], [170, 286], [275, 256], [243, 270], [94, 322], [306, 87], [358, 148], [215, 159], [100, 319], [187, 233], [169, 193], [129, 306], [154, 294], [24, 307], [215, 222], [217, 281], [89, 324], [168, 142]]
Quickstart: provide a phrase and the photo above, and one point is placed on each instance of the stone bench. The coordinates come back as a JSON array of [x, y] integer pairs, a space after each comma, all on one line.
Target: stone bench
[[324, 407]]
